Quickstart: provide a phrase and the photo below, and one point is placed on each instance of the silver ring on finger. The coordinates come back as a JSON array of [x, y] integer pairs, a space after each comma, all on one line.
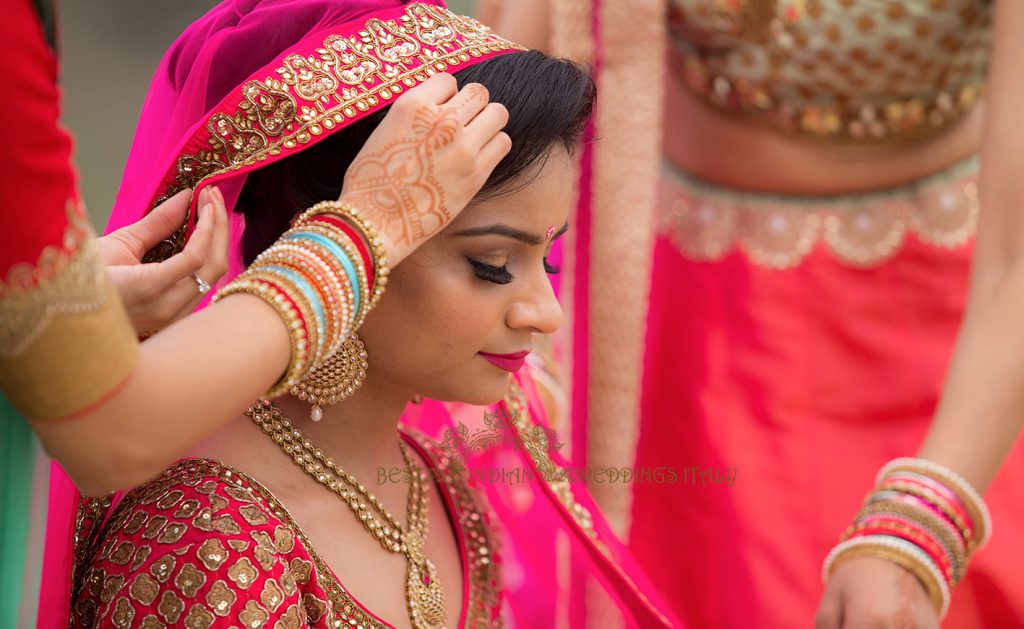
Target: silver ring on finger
[[203, 285]]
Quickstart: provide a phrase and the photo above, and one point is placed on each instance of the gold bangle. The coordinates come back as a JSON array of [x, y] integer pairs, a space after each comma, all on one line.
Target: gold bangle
[[282, 284], [892, 550], [936, 501], [969, 497], [301, 258], [928, 520], [300, 355]]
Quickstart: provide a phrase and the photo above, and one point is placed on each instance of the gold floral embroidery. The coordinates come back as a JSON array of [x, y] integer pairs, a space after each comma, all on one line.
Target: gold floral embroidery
[[170, 499], [151, 622], [199, 617], [239, 545], [212, 553], [189, 580], [112, 584], [253, 616], [122, 553], [144, 588], [155, 525], [66, 279], [135, 523], [170, 606], [187, 509], [86, 611], [300, 570], [315, 608], [271, 596], [172, 533], [346, 77], [552, 474], [253, 515], [220, 598], [292, 618], [141, 555], [123, 613], [816, 70], [242, 573], [163, 568], [706, 223]]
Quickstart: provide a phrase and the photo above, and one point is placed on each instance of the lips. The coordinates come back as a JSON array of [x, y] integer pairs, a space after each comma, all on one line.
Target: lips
[[509, 362]]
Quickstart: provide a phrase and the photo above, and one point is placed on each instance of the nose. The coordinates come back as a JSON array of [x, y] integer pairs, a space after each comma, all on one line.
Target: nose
[[536, 308]]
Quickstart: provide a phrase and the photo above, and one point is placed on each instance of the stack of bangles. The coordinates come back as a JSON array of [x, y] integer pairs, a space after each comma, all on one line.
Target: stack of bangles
[[322, 276], [922, 516]]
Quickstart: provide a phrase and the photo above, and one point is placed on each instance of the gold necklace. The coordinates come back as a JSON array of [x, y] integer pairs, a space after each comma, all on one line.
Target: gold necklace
[[423, 592]]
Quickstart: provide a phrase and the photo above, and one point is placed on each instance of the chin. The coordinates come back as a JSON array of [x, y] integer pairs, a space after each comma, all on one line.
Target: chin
[[487, 392]]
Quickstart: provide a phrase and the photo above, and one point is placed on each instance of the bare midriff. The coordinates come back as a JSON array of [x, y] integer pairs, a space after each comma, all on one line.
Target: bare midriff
[[739, 153]]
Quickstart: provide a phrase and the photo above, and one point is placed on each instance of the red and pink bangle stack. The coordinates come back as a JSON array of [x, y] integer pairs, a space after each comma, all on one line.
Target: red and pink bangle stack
[[922, 516]]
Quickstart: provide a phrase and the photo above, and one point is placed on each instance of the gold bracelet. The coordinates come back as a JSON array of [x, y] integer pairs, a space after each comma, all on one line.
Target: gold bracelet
[[299, 362]]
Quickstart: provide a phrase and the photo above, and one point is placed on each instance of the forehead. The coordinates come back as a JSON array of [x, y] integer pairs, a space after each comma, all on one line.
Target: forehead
[[543, 202]]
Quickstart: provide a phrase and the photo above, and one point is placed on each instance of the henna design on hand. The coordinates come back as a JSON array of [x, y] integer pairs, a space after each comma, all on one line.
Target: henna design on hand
[[398, 181]]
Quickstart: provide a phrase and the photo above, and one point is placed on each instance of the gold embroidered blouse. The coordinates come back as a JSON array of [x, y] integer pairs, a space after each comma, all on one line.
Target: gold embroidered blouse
[[205, 543], [839, 70]]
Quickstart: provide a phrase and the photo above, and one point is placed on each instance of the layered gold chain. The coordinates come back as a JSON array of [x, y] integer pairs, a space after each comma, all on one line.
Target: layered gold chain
[[424, 594]]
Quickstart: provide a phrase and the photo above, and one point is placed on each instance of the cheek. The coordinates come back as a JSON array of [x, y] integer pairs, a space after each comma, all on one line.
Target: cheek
[[431, 318]]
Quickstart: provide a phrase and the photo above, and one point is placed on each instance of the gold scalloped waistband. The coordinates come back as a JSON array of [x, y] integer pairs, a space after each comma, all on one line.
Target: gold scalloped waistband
[[706, 222]]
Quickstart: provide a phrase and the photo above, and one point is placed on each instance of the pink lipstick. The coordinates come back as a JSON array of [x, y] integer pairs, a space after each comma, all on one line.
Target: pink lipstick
[[509, 362]]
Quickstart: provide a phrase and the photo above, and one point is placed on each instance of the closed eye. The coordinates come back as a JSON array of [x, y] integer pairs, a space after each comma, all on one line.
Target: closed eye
[[491, 273]]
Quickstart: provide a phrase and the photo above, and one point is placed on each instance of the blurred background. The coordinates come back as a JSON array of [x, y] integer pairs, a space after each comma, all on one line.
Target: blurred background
[[109, 50]]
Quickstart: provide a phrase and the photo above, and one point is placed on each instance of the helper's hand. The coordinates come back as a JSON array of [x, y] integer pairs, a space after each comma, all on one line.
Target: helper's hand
[[157, 294], [428, 158], [872, 592]]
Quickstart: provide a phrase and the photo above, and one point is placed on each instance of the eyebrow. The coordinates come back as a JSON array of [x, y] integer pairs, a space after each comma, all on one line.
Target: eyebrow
[[499, 229]]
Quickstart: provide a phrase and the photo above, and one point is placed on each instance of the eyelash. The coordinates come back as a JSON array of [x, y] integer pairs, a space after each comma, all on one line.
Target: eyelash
[[501, 274]]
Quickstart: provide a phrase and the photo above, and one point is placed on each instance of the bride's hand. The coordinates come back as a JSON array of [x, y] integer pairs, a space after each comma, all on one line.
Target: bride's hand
[[157, 294], [430, 155], [873, 592]]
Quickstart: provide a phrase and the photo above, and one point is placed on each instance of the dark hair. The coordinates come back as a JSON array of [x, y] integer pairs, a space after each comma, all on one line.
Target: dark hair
[[549, 103]]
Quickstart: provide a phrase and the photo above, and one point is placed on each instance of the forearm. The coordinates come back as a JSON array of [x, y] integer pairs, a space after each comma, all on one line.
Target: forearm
[[982, 408], [191, 379]]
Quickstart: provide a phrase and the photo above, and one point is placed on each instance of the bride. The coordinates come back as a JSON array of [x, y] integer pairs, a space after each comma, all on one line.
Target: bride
[[293, 514]]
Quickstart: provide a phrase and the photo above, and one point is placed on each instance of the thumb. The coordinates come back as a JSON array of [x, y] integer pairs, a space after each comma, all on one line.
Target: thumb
[[159, 224]]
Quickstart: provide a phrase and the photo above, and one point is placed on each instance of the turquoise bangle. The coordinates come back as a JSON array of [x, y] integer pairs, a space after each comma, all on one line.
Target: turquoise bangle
[[350, 268], [311, 293]]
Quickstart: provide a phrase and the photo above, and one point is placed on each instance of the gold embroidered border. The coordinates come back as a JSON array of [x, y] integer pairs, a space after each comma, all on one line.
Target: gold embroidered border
[[67, 279], [313, 94], [65, 340], [705, 223]]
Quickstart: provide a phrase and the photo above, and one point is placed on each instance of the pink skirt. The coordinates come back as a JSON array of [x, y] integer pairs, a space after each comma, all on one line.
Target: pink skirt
[[777, 391]]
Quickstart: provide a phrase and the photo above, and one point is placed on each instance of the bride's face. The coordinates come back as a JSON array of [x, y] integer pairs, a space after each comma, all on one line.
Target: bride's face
[[478, 289]]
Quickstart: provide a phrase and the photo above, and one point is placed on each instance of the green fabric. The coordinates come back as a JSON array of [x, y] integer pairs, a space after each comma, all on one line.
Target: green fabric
[[16, 461]]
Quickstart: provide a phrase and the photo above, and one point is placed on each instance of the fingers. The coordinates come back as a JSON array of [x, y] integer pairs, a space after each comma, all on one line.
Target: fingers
[[487, 124], [159, 224], [437, 90], [493, 152], [192, 257], [213, 268], [470, 101]]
